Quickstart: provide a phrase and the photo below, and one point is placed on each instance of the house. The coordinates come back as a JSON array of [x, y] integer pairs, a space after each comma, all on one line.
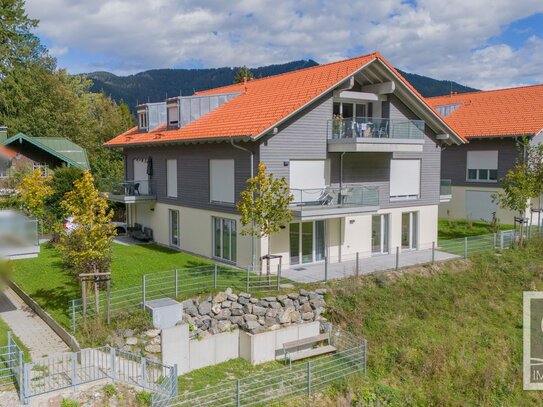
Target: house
[[497, 124], [45, 153], [359, 147]]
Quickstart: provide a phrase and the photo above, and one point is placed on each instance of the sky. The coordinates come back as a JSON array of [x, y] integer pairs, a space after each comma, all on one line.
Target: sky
[[486, 44]]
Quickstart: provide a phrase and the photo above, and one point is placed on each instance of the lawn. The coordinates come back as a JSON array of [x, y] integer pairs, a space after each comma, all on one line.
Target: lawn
[[4, 329], [45, 280], [459, 228], [450, 334]]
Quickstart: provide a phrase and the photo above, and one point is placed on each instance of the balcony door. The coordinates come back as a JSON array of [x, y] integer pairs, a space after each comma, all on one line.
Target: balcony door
[[409, 231], [140, 174], [307, 242], [174, 227], [379, 234]]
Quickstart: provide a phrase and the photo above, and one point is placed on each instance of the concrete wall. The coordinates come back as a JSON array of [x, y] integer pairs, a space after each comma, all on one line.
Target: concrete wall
[[189, 355], [267, 346]]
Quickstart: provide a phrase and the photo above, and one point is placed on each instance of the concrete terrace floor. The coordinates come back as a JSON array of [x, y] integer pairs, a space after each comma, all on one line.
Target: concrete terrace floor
[[316, 272]]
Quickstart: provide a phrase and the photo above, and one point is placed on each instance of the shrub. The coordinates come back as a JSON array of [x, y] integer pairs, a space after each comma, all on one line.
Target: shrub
[[69, 403], [143, 398]]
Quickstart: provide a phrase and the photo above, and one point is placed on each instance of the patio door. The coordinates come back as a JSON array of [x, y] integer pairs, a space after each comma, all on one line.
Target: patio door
[[174, 228], [379, 234], [140, 174], [409, 231], [307, 242]]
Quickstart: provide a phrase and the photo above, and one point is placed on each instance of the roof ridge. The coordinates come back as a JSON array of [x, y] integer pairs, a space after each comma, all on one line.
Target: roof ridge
[[374, 54], [486, 91]]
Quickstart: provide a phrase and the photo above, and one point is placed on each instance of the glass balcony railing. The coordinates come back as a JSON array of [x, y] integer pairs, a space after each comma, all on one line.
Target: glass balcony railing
[[375, 128], [330, 197], [127, 188], [445, 187]]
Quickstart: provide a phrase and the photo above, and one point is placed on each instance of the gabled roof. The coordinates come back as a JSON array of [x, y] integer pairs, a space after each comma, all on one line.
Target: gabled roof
[[495, 113], [7, 153], [265, 103], [61, 148]]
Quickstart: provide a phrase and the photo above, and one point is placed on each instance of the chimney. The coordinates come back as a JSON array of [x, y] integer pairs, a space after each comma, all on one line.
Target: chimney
[[3, 134]]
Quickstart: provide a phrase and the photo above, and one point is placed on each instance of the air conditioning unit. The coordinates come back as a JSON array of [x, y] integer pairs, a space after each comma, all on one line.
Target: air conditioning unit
[[165, 312]]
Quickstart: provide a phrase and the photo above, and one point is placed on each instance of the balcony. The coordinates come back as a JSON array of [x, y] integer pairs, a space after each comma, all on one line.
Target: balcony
[[128, 191], [334, 201], [445, 190], [367, 134]]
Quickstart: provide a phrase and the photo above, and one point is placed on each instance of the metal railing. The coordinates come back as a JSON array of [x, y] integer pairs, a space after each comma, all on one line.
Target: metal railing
[[131, 188], [177, 284], [301, 379], [445, 187], [329, 197], [11, 365], [375, 128], [72, 369]]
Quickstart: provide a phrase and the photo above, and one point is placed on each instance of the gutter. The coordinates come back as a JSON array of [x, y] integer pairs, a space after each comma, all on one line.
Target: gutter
[[253, 238]]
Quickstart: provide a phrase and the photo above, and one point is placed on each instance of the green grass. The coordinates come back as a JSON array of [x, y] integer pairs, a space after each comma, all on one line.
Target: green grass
[[449, 335], [45, 280], [458, 228], [4, 329]]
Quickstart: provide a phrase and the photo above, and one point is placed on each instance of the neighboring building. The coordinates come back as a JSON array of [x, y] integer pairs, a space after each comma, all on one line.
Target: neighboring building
[[495, 123], [45, 153], [358, 145]]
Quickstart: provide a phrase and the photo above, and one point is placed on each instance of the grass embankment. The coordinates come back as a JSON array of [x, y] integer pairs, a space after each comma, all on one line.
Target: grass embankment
[[459, 228], [451, 336], [48, 283]]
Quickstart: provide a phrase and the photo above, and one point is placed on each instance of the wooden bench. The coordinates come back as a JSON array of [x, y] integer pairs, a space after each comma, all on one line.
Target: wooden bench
[[291, 355]]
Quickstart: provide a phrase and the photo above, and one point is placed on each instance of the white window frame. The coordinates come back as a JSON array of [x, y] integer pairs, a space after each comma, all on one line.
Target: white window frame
[[407, 197], [480, 171], [219, 193], [413, 230], [143, 120], [314, 242], [234, 232], [170, 224], [44, 169], [173, 109], [384, 225], [365, 104], [171, 178]]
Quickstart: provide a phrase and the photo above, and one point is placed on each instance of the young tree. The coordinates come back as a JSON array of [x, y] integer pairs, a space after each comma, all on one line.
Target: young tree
[[33, 192], [243, 73], [87, 247], [62, 182], [264, 206]]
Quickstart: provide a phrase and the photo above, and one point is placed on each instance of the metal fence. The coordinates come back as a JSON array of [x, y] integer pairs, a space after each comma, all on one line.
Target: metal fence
[[11, 362], [301, 379], [178, 283], [71, 369]]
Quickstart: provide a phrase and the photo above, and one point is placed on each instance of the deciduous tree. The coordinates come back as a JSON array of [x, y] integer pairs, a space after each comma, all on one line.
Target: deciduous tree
[[33, 192]]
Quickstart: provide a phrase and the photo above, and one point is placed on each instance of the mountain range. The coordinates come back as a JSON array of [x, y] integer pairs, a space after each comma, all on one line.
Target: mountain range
[[157, 84]]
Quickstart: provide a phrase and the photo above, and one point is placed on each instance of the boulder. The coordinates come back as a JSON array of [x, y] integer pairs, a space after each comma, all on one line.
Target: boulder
[[272, 313], [224, 314], [220, 297], [248, 308], [244, 295], [191, 310], [270, 299], [238, 320], [226, 304], [228, 291], [275, 305], [187, 303], [250, 325], [293, 296], [253, 300], [321, 291], [250, 317], [236, 311], [153, 349], [313, 296], [132, 341], [151, 333], [285, 316], [259, 310], [307, 316], [243, 300], [236, 305], [232, 297], [224, 326], [305, 307], [126, 333], [204, 308], [214, 331], [304, 293], [216, 308]]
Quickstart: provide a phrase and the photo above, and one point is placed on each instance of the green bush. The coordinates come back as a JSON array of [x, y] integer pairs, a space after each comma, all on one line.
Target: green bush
[[69, 403], [143, 398], [109, 390]]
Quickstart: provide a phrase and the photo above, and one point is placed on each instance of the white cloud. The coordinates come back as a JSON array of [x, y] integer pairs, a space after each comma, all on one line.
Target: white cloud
[[444, 38], [58, 51]]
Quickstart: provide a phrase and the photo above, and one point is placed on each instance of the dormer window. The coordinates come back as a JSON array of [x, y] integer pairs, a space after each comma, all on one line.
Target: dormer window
[[173, 116], [142, 120]]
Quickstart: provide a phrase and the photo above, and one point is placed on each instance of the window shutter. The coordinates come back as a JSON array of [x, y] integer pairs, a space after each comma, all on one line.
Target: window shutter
[[404, 178], [221, 182]]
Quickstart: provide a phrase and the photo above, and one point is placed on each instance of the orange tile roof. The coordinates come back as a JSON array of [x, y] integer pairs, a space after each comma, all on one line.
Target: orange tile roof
[[503, 112], [6, 152], [263, 103]]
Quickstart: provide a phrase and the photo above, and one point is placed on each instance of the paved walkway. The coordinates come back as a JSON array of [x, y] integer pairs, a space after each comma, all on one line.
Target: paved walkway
[[37, 336], [315, 272]]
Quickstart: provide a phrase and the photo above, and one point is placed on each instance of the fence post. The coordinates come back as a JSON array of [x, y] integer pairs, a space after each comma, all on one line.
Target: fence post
[[143, 370], [308, 379], [501, 240], [495, 237], [433, 252], [325, 269], [74, 371], [465, 248], [215, 277], [175, 389], [20, 380], [238, 394], [176, 283], [397, 257], [248, 276], [357, 264], [143, 292], [26, 381], [364, 355], [113, 367], [73, 316], [278, 276]]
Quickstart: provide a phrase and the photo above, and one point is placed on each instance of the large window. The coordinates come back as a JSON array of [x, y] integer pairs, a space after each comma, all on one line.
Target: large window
[[349, 110], [404, 179], [174, 228], [221, 181], [307, 243], [379, 234], [482, 166], [224, 239], [171, 178]]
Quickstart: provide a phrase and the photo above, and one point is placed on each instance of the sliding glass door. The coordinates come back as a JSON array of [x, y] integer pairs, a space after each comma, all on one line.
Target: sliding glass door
[[307, 242], [379, 234]]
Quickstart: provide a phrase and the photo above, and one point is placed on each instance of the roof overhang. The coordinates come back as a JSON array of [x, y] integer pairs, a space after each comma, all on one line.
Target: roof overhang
[[201, 140]]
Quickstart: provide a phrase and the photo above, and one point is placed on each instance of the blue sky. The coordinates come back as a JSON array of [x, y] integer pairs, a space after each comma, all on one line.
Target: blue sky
[[482, 43]]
